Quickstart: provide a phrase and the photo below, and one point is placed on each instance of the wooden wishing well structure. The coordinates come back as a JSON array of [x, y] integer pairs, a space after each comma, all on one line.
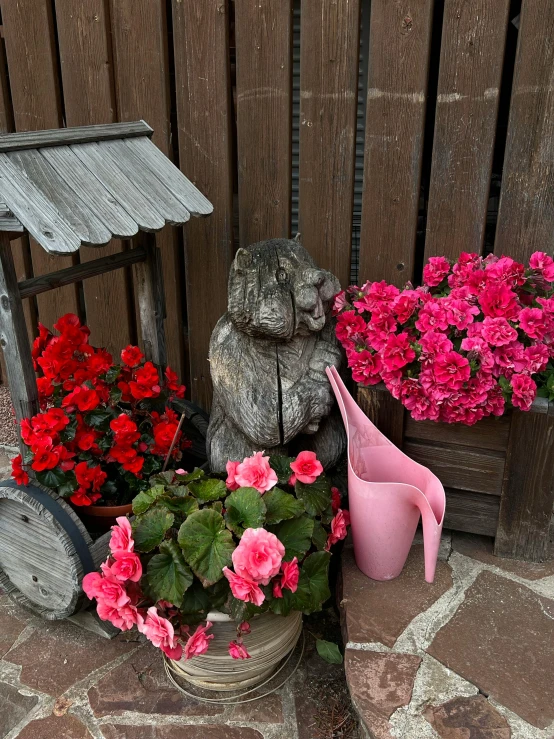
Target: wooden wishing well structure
[[68, 188]]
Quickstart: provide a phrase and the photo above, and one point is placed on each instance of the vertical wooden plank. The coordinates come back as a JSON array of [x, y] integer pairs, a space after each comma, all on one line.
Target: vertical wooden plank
[[86, 67], [202, 80], [400, 34], [528, 490], [150, 293], [31, 52], [472, 54], [384, 411], [139, 29], [263, 33], [526, 214], [329, 51]]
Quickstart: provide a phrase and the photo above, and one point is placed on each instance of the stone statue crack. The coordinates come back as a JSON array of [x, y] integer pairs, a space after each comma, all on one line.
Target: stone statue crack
[[268, 356]]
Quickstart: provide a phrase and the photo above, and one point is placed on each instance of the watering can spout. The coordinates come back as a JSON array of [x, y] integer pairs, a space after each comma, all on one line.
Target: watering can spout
[[388, 493]]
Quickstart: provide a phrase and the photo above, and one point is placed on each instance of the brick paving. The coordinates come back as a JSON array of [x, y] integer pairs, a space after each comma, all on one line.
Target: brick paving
[[469, 657]]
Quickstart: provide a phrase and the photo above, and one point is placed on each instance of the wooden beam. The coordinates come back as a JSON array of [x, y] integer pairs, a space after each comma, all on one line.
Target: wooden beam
[[150, 295], [68, 276], [77, 135]]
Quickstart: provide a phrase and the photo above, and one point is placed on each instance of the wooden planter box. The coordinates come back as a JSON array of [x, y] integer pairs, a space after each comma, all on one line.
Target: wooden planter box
[[498, 475]]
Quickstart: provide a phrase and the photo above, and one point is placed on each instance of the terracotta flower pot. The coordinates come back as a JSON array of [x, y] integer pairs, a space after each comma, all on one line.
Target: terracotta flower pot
[[100, 518]]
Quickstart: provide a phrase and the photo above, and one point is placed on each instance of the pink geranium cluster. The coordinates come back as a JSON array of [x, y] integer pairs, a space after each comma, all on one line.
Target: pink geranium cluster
[[118, 599], [478, 334]]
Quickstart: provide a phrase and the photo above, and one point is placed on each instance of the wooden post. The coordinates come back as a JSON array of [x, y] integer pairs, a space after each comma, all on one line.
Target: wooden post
[[528, 489], [151, 301], [14, 338], [384, 411]]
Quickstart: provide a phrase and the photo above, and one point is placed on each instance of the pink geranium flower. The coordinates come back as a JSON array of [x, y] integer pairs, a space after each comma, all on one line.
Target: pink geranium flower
[[339, 302], [127, 566], [122, 536], [243, 588], [499, 300], [397, 352], [160, 632], [306, 467], [544, 264], [349, 325], [435, 271], [432, 317], [379, 293], [238, 651], [524, 391], [532, 321], [366, 367], [497, 331], [258, 556], [451, 369], [199, 642], [405, 304], [255, 472], [460, 313], [537, 358], [231, 480]]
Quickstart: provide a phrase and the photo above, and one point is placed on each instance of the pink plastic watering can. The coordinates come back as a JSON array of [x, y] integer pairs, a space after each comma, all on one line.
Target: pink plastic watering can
[[387, 493]]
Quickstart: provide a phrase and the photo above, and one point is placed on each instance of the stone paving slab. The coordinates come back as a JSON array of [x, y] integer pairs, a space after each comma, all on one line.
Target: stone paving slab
[[469, 657]]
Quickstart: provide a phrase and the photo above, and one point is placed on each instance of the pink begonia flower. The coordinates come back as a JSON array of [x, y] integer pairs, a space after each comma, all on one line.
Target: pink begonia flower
[[244, 627], [532, 321], [292, 480], [349, 324], [397, 352], [290, 575], [231, 480], [339, 526], [124, 618], [307, 467], [122, 536], [105, 588], [432, 317], [243, 588], [335, 499], [258, 555], [255, 472], [435, 271], [497, 331], [199, 642], [544, 264], [181, 471], [499, 300], [160, 632], [277, 590], [451, 370], [339, 302], [127, 566], [524, 391], [238, 651], [366, 367]]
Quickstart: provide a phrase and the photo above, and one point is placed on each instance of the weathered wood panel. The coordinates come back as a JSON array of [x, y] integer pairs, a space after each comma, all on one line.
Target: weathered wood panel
[[31, 53], [463, 468], [384, 411], [526, 215], [490, 433], [141, 73], [263, 32], [400, 34], [73, 135], [473, 512], [472, 54], [201, 47], [86, 67], [528, 489], [328, 101]]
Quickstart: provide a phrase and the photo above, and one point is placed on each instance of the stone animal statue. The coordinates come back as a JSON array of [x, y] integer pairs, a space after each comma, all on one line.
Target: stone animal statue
[[268, 356]]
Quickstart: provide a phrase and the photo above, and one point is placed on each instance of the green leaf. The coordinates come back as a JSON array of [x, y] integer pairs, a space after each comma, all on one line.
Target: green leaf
[[207, 545], [51, 478], [281, 465], [149, 529], [315, 497], [218, 594], [313, 585], [295, 535], [281, 506], [162, 478], [319, 536], [146, 499], [329, 651], [208, 489], [196, 600], [196, 474], [183, 505], [283, 606], [112, 374], [245, 509], [115, 395], [99, 418], [168, 573], [67, 488]]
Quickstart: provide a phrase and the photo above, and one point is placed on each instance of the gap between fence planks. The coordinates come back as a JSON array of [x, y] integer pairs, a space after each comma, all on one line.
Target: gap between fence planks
[[329, 51], [526, 214], [400, 36], [28, 31], [263, 32], [201, 47], [472, 55], [141, 75], [84, 40]]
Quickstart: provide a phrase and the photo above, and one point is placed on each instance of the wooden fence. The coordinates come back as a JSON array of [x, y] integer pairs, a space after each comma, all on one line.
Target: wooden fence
[[441, 103]]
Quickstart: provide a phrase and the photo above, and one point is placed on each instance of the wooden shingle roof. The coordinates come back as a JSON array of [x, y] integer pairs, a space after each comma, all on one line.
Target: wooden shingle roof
[[84, 186]]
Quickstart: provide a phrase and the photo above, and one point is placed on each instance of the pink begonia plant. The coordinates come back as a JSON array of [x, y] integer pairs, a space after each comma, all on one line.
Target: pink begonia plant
[[475, 338], [242, 545]]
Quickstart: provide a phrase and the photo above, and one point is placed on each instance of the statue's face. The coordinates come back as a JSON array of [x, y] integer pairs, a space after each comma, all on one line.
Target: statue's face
[[275, 290]]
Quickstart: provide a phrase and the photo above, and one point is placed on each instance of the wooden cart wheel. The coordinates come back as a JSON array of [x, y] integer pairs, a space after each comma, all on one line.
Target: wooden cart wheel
[[45, 550]]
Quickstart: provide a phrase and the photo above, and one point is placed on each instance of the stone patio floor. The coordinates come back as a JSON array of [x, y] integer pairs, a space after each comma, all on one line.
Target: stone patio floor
[[469, 657]]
